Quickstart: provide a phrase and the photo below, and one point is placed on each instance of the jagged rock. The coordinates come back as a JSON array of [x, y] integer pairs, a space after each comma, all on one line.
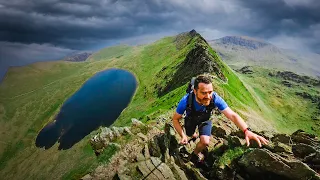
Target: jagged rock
[[193, 173], [281, 147], [121, 177], [159, 156], [78, 57], [87, 177], [146, 152], [142, 136], [177, 171], [273, 166], [140, 157], [313, 159], [302, 150], [287, 75], [303, 137], [234, 141], [154, 148], [116, 132], [286, 83], [127, 130], [154, 169], [283, 138], [246, 70], [219, 131], [136, 122]]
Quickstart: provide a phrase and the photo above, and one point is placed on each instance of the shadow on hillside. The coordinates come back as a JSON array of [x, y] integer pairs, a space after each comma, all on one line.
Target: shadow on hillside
[[198, 61]]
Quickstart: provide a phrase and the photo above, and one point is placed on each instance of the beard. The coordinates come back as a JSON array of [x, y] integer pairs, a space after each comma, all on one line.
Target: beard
[[205, 102]]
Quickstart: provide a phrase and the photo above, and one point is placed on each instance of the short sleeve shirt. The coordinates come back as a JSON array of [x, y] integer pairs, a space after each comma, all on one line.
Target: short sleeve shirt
[[218, 101]]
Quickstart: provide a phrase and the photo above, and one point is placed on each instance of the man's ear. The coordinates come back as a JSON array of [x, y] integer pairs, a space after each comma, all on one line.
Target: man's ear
[[194, 91]]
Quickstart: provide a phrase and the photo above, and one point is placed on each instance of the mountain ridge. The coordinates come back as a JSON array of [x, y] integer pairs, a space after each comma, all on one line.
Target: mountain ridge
[[239, 51]]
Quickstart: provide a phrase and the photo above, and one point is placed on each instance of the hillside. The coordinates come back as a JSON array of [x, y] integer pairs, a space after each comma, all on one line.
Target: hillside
[[242, 51], [31, 96]]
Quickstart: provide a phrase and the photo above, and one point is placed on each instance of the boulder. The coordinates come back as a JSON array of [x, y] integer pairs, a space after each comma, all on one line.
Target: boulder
[[263, 164]]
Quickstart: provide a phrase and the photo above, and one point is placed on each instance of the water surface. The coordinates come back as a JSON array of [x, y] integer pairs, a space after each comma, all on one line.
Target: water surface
[[98, 102]]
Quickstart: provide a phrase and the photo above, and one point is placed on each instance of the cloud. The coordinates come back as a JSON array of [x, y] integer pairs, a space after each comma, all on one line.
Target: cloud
[[86, 24], [29, 53], [70, 24]]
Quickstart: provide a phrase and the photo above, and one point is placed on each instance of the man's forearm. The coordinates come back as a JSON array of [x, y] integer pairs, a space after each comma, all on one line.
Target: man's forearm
[[239, 122], [178, 127]]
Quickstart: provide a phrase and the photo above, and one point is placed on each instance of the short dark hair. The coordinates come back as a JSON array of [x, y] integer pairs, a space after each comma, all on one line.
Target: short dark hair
[[201, 79]]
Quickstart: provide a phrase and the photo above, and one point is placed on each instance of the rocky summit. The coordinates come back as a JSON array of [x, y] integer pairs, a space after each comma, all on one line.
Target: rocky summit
[[153, 152]]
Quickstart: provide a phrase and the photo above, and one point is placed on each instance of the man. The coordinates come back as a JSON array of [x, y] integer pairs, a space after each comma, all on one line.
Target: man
[[199, 112]]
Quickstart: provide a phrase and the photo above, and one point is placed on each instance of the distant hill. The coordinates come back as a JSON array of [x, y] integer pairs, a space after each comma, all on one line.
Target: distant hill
[[241, 51], [78, 57]]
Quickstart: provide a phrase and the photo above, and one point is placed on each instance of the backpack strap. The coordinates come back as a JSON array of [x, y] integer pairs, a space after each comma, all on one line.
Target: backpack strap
[[190, 103]]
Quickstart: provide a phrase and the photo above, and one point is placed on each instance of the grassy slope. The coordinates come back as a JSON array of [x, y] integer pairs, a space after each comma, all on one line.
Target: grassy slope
[[288, 111], [30, 96]]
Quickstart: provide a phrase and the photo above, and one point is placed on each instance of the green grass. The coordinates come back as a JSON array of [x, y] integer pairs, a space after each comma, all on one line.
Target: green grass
[[288, 111], [111, 52], [231, 154]]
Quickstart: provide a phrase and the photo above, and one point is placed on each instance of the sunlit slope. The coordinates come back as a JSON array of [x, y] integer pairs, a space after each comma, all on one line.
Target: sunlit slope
[[290, 104], [31, 96], [111, 52]]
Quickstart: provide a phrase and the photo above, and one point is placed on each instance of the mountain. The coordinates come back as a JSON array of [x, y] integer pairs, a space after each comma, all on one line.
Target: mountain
[[78, 57], [240, 51], [31, 97]]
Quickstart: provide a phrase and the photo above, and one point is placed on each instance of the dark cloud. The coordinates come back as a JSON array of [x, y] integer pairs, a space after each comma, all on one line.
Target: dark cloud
[[296, 19], [87, 24]]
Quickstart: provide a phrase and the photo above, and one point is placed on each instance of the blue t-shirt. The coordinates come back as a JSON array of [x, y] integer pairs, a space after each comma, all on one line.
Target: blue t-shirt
[[218, 101]]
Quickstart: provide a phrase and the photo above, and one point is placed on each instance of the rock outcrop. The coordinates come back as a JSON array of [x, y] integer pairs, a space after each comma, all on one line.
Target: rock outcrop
[[78, 57], [198, 60], [154, 153], [287, 75]]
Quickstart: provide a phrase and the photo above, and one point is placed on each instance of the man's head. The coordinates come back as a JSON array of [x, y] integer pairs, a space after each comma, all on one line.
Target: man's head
[[203, 90]]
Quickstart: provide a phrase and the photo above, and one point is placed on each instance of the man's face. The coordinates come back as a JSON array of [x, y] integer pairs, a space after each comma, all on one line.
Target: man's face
[[204, 93]]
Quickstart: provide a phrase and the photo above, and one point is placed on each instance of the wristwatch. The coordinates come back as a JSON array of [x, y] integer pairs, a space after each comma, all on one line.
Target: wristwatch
[[247, 129]]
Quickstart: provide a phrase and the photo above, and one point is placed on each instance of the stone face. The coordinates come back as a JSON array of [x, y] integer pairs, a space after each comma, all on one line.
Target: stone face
[[218, 131], [302, 150], [87, 177], [283, 138], [160, 156], [153, 168], [281, 147], [262, 161]]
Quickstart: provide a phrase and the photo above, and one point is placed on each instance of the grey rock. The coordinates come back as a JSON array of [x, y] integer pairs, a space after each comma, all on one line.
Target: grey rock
[[302, 150], [262, 161], [87, 177]]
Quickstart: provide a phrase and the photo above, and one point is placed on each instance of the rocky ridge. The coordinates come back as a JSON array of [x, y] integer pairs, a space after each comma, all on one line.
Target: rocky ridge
[[154, 153], [243, 41], [78, 57], [199, 60]]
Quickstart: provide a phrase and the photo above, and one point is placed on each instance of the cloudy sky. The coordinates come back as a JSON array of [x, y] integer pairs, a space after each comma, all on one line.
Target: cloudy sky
[[36, 30]]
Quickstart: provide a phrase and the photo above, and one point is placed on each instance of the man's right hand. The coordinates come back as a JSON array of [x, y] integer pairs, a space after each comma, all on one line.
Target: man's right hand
[[184, 139]]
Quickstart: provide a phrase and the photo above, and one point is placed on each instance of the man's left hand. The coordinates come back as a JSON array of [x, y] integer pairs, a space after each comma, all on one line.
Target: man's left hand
[[260, 140]]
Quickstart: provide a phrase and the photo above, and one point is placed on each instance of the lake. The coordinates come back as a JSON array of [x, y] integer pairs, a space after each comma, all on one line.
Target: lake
[[99, 102]]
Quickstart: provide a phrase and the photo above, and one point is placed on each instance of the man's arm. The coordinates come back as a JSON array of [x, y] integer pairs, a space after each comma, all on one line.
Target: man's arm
[[176, 117], [234, 117]]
